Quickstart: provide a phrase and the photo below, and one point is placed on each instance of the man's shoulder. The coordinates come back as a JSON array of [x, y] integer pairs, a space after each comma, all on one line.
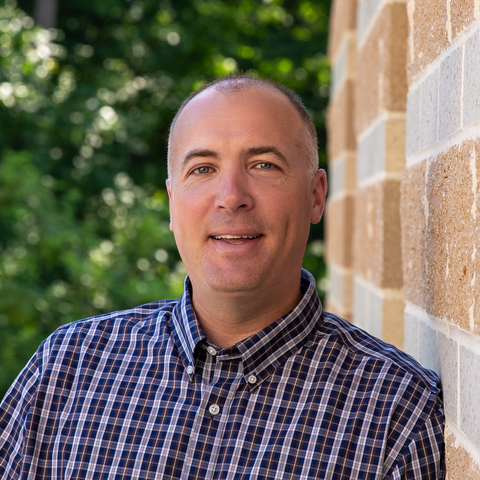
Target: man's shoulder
[[368, 348], [145, 318], [96, 343]]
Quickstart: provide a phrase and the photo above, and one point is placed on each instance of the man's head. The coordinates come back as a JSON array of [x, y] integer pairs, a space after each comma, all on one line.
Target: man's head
[[234, 83], [243, 188]]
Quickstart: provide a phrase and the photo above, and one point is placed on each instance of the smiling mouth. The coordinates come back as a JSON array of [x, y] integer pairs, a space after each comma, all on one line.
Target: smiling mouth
[[234, 237]]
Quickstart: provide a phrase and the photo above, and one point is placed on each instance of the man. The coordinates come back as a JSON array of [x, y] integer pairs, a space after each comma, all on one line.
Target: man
[[244, 377]]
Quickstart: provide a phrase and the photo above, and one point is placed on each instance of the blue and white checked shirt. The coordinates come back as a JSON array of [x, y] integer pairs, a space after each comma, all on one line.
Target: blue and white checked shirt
[[142, 394]]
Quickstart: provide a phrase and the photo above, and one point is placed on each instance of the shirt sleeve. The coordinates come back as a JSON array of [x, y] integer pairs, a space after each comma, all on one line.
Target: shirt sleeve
[[423, 458], [14, 412]]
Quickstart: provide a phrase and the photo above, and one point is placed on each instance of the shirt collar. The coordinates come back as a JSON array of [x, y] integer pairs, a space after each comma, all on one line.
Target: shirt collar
[[263, 352], [186, 330]]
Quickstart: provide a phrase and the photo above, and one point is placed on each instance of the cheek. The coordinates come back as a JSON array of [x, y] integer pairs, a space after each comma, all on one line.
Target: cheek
[[186, 211], [290, 203]]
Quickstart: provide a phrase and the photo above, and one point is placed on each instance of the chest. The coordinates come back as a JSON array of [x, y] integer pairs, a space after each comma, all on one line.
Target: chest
[[152, 421]]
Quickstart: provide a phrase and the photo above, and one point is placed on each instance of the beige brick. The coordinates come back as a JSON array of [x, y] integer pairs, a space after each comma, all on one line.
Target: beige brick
[[369, 80], [429, 35], [338, 231], [451, 237], [413, 222], [395, 71], [395, 145], [475, 250], [392, 252], [461, 16], [381, 75], [341, 136], [368, 234], [392, 322], [350, 172], [342, 19], [440, 235], [376, 242], [459, 463]]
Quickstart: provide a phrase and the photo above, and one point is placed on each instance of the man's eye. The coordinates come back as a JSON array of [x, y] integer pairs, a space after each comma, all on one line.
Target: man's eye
[[202, 170], [265, 166]]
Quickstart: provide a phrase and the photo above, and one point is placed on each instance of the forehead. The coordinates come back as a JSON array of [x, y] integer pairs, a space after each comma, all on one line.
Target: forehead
[[250, 110]]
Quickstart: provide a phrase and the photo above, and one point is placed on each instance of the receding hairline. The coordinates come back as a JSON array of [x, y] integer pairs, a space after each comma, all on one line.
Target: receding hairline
[[235, 83]]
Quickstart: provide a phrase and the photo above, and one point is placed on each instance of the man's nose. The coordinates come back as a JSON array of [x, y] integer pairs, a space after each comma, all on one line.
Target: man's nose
[[234, 192]]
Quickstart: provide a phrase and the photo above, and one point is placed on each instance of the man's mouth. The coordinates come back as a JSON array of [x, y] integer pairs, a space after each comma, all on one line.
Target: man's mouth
[[234, 237]]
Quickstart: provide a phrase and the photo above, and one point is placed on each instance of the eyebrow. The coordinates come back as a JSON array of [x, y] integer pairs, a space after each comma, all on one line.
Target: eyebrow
[[198, 152], [265, 149]]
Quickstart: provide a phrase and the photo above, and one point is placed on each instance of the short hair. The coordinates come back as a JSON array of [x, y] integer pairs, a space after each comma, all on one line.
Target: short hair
[[236, 82]]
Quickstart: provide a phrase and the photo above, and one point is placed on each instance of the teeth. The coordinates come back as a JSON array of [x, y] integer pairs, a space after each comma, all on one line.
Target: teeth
[[219, 237]]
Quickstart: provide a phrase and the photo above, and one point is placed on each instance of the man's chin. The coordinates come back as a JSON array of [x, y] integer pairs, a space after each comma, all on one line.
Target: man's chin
[[235, 281], [233, 287]]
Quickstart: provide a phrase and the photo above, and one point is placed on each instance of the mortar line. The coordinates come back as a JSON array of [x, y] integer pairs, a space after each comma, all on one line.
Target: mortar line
[[448, 25]]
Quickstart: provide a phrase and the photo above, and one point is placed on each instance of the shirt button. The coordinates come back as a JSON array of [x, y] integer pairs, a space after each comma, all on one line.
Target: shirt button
[[252, 379], [190, 369], [211, 351], [214, 409]]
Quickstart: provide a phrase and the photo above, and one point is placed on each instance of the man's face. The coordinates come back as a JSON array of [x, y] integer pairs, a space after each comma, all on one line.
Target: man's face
[[241, 195]]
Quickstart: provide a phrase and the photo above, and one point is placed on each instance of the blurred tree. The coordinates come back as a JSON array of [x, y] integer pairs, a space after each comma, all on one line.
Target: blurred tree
[[85, 111]]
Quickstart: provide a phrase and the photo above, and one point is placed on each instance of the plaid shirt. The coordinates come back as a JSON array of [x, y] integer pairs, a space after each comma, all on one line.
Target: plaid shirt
[[142, 394]]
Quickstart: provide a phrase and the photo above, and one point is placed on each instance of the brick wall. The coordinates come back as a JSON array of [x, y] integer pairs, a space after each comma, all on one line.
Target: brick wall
[[403, 221], [342, 158], [366, 124]]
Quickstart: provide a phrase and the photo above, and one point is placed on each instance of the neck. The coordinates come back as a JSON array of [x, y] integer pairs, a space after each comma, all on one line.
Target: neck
[[227, 318]]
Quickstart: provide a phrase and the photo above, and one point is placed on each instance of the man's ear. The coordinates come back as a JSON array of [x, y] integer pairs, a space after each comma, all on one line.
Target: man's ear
[[169, 191], [319, 192]]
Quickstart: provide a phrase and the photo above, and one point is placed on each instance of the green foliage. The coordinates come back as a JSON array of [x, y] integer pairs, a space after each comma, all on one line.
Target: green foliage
[[55, 269], [85, 111]]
